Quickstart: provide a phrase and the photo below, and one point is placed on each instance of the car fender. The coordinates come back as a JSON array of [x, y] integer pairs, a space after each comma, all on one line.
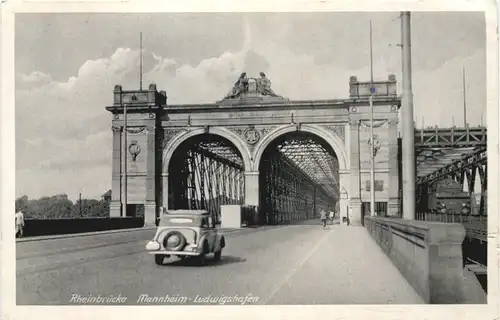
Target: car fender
[[160, 231], [203, 239]]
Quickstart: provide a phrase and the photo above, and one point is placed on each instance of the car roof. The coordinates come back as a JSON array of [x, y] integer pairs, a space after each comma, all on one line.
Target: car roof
[[186, 212]]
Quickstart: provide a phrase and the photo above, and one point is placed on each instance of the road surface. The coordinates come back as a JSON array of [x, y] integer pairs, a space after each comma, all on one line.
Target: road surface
[[295, 264]]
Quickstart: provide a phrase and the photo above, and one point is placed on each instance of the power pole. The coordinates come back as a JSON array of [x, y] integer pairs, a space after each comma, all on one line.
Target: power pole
[[408, 128], [372, 144]]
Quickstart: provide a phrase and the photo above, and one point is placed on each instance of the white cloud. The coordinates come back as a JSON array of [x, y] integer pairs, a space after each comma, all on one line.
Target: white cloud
[[63, 131]]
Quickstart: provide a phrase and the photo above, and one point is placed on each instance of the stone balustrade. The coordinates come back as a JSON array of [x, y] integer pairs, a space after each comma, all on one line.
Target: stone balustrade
[[428, 254]]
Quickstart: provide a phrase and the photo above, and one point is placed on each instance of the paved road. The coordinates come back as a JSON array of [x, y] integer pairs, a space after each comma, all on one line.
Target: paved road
[[297, 264]]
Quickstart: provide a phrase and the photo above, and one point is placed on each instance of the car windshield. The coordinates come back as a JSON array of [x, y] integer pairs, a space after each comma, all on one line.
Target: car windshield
[[188, 221]]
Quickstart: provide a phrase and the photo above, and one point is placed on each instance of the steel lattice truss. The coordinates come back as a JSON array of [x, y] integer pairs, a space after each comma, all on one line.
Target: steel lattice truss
[[314, 160], [431, 161], [454, 153], [221, 151], [437, 149], [205, 174], [298, 178]]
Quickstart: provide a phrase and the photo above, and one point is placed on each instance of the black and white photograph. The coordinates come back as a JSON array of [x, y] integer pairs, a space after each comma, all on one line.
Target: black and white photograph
[[251, 158]]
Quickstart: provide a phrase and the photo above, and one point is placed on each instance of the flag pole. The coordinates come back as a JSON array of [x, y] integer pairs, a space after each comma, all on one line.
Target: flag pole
[[465, 97], [372, 142]]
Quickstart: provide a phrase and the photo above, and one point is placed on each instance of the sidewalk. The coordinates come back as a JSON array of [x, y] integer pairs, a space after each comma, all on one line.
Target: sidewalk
[[345, 267]]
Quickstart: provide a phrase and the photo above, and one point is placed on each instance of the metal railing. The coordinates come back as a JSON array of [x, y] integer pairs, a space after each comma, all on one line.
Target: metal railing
[[475, 226]]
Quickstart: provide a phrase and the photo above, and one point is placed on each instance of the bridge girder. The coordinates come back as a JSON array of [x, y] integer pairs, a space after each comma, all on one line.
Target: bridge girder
[[450, 137], [462, 170]]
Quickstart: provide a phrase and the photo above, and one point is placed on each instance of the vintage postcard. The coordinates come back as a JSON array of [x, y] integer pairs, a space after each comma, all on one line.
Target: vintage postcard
[[242, 160]]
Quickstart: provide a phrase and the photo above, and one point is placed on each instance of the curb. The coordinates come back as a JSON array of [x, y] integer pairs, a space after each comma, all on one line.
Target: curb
[[98, 233]]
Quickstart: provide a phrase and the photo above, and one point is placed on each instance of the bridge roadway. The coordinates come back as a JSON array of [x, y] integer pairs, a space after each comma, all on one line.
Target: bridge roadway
[[294, 264]]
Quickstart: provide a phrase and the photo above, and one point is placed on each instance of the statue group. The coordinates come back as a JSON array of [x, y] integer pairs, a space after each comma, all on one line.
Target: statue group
[[242, 86]]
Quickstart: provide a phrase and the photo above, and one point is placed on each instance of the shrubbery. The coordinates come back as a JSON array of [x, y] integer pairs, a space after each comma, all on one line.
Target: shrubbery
[[60, 207]]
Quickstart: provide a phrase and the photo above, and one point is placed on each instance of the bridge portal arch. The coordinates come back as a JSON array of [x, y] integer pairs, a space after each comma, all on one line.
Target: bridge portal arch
[[301, 170], [204, 168], [331, 138]]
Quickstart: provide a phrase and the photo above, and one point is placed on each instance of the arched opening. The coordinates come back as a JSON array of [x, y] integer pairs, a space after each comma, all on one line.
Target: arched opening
[[298, 177], [205, 172]]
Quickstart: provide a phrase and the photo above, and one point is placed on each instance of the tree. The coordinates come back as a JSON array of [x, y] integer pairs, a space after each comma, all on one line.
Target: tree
[[60, 207], [21, 203]]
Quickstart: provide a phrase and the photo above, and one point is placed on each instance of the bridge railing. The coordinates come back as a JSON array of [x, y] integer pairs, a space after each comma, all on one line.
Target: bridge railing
[[449, 217], [428, 254], [475, 226], [50, 227]]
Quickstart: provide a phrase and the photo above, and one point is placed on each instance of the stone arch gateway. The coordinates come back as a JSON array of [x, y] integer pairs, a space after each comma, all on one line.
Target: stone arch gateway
[[251, 118]]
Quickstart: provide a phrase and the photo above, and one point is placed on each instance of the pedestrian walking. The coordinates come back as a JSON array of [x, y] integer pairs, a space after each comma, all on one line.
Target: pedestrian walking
[[19, 223], [332, 216], [323, 217]]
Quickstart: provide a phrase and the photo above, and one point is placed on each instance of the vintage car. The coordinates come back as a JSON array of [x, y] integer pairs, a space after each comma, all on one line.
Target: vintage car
[[186, 233]]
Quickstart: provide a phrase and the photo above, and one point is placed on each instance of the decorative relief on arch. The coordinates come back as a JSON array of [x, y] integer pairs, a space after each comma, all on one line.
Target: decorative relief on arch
[[339, 130], [266, 130], [135, 129], [169, 134], [250, 134]]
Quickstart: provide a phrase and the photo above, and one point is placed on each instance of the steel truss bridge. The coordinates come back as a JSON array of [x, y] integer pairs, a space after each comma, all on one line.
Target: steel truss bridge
[[299, 174], [454, 153], [298, 177]]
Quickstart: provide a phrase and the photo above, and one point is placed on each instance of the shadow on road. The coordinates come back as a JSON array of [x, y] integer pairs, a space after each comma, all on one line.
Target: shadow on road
[[191, 262]]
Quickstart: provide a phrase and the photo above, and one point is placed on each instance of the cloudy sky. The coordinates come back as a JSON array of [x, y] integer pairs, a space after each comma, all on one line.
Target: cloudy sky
[[67, 66]]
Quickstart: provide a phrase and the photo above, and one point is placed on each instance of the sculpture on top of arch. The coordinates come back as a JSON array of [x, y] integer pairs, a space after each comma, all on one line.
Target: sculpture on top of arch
[[253, 88]]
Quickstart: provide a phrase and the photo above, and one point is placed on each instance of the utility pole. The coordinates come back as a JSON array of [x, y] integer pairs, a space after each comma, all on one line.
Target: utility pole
[[408, 126], [465, 97], [124, 214], [372, 140]]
